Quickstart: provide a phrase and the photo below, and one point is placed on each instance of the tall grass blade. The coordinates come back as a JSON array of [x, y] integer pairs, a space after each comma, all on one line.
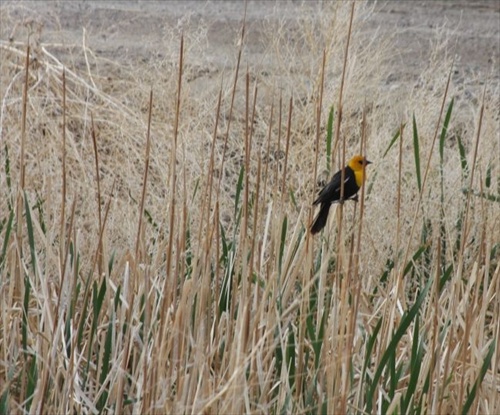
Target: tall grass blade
[[416, 153], [444, 130], [84, 311], [150, 219], [111, 262], [8, 227], [106, 363], [487, 180], [31, 236], [4, 402], [394, 377], [316, 339], [445, 277], [69, 320], [329, 139], [290, 357], [292, 199], [8, 180], [417, 351], [484, 368], [239, 188], [39, 207], [286, 408], [442, 140], [6, 224], [410, 265], [284, 228], [97, 303], [369, 346], [118, 301], [426, 243], [463, 158], [32, 378], [24, 320], [227, 260], [188, 254], [393, 141], [391, 350]]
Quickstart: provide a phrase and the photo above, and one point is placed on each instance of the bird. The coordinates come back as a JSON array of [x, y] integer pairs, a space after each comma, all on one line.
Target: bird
[[354, 174]]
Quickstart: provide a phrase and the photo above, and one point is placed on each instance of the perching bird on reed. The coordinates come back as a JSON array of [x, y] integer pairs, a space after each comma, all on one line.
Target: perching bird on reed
[[354, 176]]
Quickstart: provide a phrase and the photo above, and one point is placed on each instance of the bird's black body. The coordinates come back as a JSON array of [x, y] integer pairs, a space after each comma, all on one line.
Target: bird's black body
[[331, 194]]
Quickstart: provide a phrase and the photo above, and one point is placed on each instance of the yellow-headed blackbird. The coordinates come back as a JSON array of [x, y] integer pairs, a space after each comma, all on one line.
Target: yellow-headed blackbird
[[353, 180]]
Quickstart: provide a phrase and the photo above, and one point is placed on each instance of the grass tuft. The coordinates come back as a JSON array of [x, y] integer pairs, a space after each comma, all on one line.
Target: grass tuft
[[155, 250]]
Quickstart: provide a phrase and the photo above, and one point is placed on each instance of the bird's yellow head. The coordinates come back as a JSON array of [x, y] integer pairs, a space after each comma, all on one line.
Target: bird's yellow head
[[358, 163]]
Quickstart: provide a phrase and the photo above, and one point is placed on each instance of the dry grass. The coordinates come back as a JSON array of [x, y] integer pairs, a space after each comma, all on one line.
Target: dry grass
[[155, 254]]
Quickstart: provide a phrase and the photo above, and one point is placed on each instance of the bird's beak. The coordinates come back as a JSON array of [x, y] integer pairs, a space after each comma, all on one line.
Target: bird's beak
[[367, 162]]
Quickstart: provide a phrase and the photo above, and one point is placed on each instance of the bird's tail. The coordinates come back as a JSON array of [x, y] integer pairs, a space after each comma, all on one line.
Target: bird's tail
[[320, 220]]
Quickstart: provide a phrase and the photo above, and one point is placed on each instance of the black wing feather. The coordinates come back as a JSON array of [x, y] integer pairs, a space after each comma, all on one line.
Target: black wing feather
[[331, 192]]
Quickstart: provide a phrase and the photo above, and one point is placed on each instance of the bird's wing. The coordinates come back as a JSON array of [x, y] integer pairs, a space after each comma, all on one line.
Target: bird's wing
[[333, 187]]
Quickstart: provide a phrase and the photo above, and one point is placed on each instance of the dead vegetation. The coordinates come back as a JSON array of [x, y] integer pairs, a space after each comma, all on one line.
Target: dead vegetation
[[155, 253]]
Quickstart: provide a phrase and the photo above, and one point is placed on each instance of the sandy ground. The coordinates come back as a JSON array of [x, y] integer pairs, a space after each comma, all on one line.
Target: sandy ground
[[134, 31]]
